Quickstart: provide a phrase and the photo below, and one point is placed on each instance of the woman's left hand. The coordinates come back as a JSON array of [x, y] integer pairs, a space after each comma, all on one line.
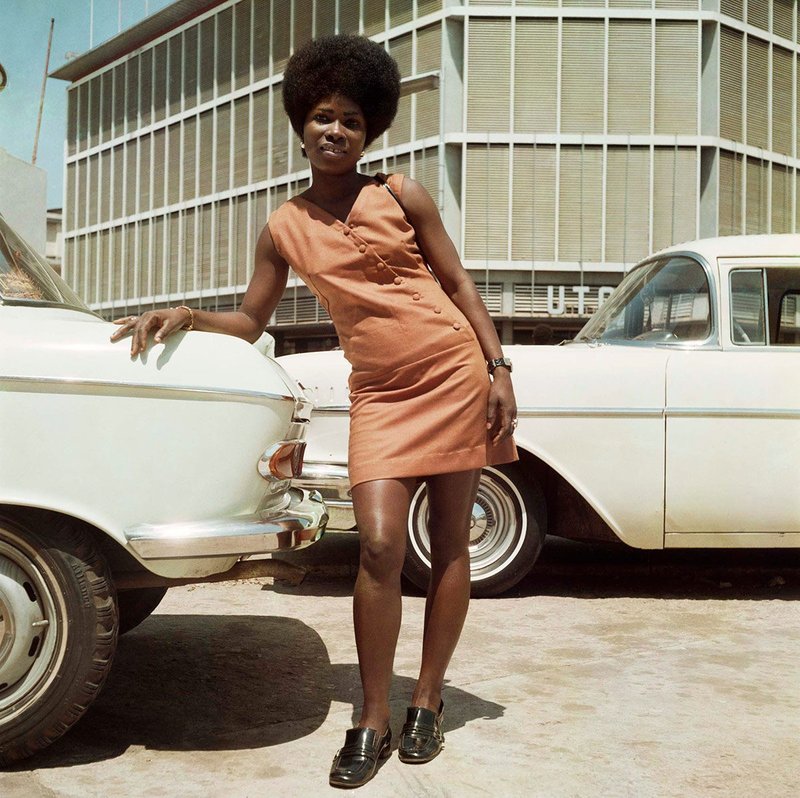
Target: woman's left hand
[[501, 412], [162, 322]]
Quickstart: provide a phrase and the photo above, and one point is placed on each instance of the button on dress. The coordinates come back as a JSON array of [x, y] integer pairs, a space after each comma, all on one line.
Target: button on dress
[[418, 386]]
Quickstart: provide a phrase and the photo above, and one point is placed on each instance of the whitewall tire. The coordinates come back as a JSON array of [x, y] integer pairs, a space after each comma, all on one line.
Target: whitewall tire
[[506, 535]]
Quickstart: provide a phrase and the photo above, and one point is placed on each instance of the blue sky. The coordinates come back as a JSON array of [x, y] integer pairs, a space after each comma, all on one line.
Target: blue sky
[[23, 48]]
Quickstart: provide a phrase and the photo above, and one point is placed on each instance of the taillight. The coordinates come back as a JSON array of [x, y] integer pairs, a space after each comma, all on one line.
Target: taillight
[[283, 460]]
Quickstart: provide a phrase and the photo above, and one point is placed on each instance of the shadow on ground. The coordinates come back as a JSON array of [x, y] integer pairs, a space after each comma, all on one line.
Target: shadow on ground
[[597, 570], [593, 570], [206, 682]]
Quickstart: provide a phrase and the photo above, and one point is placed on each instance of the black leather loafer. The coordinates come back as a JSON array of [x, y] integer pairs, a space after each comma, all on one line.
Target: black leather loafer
[[356, 761], [421, 739]]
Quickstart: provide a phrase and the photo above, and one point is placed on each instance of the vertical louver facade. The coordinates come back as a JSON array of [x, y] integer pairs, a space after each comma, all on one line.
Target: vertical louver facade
[[563, 140]]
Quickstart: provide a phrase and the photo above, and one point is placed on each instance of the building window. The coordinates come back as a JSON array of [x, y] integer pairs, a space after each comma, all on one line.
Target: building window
[[489, 74]]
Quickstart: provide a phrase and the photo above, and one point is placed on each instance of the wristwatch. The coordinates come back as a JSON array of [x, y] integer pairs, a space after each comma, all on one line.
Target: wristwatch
[[499, 361]]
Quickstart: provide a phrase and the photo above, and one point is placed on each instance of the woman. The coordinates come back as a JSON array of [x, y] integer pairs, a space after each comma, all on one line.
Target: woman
[[422, 402]]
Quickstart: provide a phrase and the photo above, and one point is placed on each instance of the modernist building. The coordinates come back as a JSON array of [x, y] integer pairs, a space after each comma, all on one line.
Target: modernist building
[[23, 198], [562, 139]]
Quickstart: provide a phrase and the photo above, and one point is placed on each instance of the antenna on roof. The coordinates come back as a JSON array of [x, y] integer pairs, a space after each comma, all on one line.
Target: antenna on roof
[[41, 98]]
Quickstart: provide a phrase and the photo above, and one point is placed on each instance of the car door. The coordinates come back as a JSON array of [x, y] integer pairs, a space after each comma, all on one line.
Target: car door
[[733, 417]]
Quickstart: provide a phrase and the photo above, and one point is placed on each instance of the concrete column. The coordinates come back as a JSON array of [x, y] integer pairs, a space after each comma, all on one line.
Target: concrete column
[[709, 192], [709, 80], [451, 94], [709, 126]]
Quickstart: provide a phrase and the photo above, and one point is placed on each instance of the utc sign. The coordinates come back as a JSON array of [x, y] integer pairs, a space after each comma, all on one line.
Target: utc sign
[[559, 300]]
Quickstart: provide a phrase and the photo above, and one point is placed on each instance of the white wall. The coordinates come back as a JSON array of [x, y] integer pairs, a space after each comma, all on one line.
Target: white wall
[[23, 199]]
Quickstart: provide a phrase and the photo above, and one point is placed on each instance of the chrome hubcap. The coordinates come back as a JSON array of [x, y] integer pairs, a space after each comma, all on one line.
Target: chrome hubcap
[[22, 620], [28, 644], [478, 524], [498, 526]]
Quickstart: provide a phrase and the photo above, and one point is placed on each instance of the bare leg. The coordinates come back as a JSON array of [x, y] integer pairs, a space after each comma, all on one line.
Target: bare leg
[[381, 509], [451, 497]]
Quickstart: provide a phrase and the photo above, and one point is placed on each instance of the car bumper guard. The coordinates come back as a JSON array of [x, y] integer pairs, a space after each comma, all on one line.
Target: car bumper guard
[[331, 481], [295, 526]]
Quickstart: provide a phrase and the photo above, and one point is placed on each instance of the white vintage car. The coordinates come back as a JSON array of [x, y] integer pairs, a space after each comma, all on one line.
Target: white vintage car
[[119, 478], [671, 421]]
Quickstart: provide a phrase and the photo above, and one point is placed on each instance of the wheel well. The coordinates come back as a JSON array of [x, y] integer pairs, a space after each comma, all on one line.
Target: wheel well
[[119, 560], [569, 515]]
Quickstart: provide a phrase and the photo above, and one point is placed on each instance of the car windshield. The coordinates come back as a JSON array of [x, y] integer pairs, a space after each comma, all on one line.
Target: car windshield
[[26, 278], [662, 301]]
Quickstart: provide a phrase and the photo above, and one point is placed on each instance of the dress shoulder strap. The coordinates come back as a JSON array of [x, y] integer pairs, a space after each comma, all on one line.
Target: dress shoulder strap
[[395, 192], [393, 184]]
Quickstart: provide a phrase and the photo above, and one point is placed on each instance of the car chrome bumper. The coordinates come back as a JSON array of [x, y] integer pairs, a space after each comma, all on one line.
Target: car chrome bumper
[[333, 484], [295, 526]]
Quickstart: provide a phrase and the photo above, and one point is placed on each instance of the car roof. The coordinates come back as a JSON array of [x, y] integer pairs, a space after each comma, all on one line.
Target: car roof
[[775, 245]]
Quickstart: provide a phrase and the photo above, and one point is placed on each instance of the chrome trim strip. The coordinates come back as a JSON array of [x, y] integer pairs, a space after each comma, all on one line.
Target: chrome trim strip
[[300, 524], [118, 385], [332, 410], [630, 412], [678, 412], [590, 412], [732, 412]]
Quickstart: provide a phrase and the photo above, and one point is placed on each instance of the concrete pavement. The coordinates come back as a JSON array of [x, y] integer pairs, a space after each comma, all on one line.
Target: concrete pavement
[[604, 674]]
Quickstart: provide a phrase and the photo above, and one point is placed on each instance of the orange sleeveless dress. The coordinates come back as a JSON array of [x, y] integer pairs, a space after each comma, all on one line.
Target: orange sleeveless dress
[[419, 386]]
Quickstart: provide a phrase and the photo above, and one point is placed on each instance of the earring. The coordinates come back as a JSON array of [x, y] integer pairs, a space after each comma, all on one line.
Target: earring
[[302, 146], [363, 153]]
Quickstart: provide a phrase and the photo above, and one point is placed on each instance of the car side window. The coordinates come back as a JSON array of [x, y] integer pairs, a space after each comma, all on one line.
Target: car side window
[[765, 306], [748, 326]]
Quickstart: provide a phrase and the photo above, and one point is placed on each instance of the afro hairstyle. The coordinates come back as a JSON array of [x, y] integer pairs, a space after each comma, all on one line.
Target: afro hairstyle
[[352, 66]]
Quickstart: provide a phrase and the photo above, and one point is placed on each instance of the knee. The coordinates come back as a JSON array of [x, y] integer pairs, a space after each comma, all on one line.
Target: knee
[[382, 555]]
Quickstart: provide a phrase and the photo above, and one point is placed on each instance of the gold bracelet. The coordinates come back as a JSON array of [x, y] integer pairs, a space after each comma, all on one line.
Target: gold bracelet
[[191, 317]]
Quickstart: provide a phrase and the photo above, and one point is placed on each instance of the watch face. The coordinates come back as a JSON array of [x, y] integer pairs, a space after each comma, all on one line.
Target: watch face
[[499, 361]]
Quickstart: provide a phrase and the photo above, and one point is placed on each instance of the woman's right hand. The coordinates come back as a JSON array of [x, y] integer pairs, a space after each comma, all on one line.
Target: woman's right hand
[[163, 322]]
